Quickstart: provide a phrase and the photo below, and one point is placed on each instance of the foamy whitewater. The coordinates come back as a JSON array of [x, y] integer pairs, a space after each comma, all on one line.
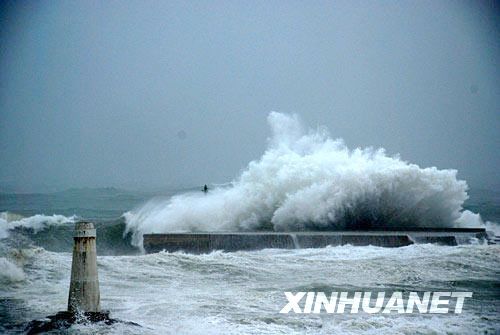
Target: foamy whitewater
[[309, 181], [304, 181], [9, 221]]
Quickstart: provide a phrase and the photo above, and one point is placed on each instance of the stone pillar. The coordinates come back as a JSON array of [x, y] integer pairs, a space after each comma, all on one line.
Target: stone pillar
[[84, 286]]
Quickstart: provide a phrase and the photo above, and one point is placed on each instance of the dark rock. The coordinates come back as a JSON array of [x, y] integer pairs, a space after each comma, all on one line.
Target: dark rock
[[64, 320]]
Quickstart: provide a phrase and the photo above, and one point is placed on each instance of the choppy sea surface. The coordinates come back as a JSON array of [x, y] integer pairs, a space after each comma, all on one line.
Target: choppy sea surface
[[229, 293]]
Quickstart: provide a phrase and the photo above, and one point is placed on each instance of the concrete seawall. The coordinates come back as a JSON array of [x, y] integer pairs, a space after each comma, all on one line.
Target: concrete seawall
[[206, 242]]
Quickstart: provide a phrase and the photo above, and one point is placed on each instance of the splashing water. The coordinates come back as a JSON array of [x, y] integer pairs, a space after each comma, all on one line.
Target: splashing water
[[309, 181], [9, 221], [10, 271]]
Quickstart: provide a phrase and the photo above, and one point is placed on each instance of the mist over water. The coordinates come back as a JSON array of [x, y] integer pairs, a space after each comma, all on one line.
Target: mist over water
[[306, 180]]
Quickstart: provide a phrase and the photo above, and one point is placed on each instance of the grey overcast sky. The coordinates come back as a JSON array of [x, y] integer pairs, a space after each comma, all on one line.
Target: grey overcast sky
[[145, 94]]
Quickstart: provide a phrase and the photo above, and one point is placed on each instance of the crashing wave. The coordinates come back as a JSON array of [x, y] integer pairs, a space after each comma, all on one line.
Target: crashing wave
[[309, 181], [9, 221]]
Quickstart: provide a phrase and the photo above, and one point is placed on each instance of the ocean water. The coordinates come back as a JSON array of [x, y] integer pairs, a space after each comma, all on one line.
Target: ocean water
[[229, 293], [305, 180]]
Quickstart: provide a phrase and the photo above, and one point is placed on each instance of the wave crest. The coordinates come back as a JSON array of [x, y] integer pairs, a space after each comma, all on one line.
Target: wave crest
[[309, 181], [9, 221]]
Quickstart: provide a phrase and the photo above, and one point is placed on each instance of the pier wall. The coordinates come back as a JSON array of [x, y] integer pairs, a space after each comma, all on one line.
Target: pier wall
[[206, 242]]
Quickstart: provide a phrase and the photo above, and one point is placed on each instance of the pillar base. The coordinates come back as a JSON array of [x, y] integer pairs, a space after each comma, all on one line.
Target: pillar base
[[65, 319]]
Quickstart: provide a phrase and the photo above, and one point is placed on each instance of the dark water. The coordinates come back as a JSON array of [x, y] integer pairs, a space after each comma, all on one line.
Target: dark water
[[105, 206], [93, 204], [233, 293], [486, 202]]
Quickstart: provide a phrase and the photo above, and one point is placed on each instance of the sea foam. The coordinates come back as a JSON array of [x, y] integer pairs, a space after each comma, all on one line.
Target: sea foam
[[10, 272], [9, 221], [305, 180]]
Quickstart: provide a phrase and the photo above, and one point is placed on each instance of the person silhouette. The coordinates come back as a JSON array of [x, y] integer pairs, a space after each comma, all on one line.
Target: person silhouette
[[205, 188]]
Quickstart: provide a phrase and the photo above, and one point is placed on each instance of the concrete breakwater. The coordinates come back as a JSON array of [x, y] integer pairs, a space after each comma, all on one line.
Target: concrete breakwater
[[228, 241]]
